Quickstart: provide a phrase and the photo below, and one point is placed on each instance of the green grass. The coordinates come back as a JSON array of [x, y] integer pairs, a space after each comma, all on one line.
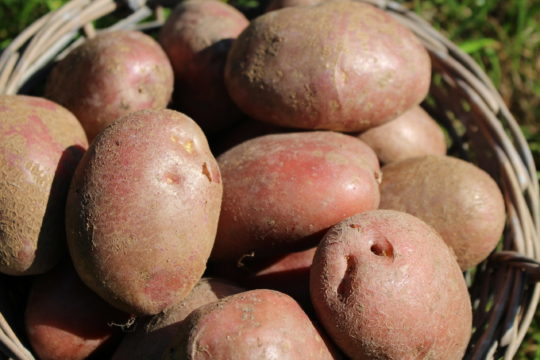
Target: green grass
[[503, 36]]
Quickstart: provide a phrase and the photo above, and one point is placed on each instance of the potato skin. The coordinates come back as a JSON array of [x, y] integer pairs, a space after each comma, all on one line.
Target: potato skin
[[287, 273], [197, 38], [412, 134], [386, 286], [142, 210], [282, 191], [109, 76], [155, 334], [65, 320], [257, 324], [41, 144], [369, 53], [461, 201]]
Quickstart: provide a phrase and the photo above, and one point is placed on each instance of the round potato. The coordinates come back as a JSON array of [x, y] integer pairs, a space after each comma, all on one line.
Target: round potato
[[109, 76], [460, 200], [197, 38], [142, 211], [296, 67], [282, 191], [41, 144], [386, 286], [256, 324], [412, 134]]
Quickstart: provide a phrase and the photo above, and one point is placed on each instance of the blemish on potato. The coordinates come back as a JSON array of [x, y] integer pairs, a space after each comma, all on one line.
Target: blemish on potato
[[172, 178], [355, 226], [174, 139], [383, 247], [345, 287], [188, 146], [206, 172]]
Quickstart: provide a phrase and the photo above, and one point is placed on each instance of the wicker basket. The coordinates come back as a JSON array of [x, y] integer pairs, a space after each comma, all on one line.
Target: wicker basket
[[503, 289]]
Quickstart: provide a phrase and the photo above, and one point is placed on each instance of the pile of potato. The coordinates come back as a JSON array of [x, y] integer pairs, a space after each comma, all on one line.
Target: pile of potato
[[252, 219]]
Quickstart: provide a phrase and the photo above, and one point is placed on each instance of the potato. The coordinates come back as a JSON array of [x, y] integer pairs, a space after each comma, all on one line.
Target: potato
[[412, 134], [287, 273], [460, 200], [142, 211], [155, 334], [67, 321], [295, 67], [197, 38], [109, 76], [282, 191], [257, 324], [41, 144], [386, 286]]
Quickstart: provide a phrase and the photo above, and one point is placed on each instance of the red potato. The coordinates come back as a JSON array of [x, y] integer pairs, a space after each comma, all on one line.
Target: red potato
[[67, 321], [412, 134], [155, 334], [340, 65], [197, 38], [142, 211], [460, 200], [110, 76], [281, 192], [257, 324], [40, 146], [288, 274], [386, 286]]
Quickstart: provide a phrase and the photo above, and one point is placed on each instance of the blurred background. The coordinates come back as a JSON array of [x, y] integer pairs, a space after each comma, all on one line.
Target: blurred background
[[503, 36]]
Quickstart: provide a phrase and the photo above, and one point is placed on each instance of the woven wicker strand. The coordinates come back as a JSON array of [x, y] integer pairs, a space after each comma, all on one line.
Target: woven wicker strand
[[504, 289]]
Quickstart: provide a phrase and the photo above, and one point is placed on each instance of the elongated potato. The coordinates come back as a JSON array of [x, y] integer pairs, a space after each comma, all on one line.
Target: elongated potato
[[256, 324], [281, 192], [340, 65], [40, 146], [142, 211], [386, 286]]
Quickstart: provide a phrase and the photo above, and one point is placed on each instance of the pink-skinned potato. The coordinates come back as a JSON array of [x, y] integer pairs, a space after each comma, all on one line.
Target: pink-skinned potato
[[197, 38], [65, 320], [257, 324], [412, 134], [40, 146], [142, 211], [460, 200], [281, 192], [154, 334], [385, 286], [287, 273], [109, 76], [340, 65]]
